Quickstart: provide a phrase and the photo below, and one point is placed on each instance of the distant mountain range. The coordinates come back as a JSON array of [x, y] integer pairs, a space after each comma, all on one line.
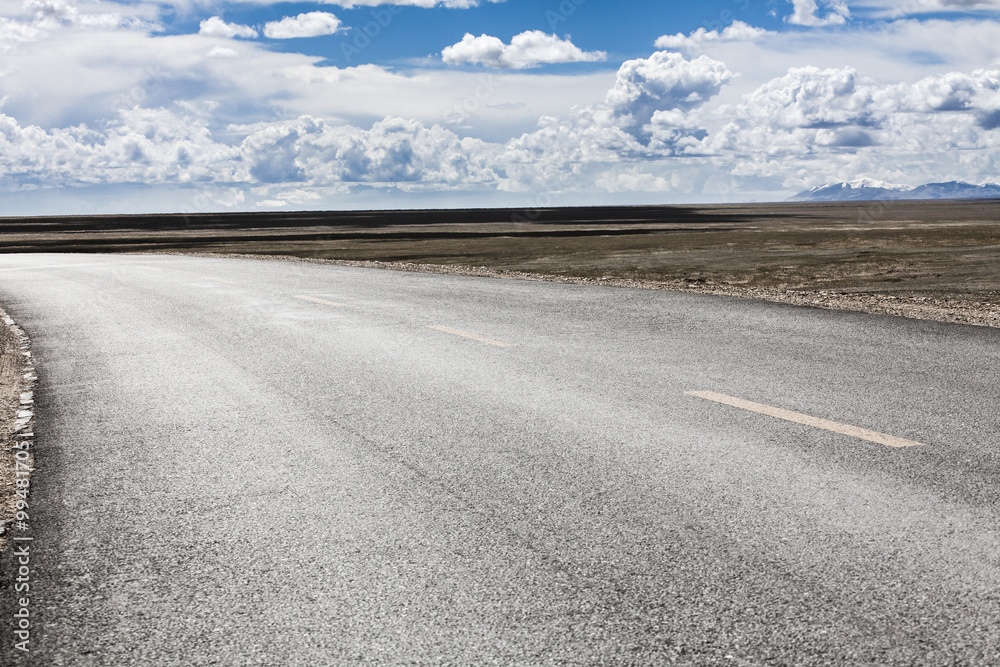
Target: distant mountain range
[[866, 189]]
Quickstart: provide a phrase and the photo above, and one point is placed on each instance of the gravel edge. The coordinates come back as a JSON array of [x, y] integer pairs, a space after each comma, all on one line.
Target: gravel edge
[[17, 416], [975, 313]]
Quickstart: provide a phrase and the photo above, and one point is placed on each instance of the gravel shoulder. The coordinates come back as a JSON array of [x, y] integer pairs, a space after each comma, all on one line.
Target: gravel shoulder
[[17, 381]]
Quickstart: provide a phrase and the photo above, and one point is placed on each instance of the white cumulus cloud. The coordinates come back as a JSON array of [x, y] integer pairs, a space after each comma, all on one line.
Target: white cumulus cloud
[[813, 126], [806, 108], [222, 52], [663, 82], [13, 32], [737, 32], [393, 151], [43, 18], [140, 146], [806, 13], [528, 49], [311, 24], [216, 27]]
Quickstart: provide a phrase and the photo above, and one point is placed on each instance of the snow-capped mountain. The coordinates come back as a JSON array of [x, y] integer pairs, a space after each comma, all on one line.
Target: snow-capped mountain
[[866, 189]]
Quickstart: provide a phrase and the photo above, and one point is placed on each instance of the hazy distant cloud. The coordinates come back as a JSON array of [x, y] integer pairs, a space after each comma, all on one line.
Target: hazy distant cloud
[[393, 151], [975, 95], [14, 32], [633, 179], [959, 4], [141, 145], [50, 13], [807, 13], [222, 52], [52, 10], [312, 24], [216, 27], [813, 125], [737, 32], [896, 8], [48, 16], [528, 49]]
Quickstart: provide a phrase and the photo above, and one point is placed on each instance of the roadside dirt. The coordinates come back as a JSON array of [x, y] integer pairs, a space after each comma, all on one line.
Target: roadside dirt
[[14, 385], [961, 311]]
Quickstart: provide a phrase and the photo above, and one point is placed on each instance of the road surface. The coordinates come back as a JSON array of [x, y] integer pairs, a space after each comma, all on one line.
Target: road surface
[[279, 463]]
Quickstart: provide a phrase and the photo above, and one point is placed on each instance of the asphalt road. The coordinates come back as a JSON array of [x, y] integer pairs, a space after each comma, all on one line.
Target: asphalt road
[[228, 473]]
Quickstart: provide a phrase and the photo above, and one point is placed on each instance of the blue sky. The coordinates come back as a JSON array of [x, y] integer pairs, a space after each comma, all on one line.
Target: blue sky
[[200, 105], [624, 29]]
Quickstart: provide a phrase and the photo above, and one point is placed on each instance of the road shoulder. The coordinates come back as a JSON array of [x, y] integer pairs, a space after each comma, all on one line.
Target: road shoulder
[[17, 381]]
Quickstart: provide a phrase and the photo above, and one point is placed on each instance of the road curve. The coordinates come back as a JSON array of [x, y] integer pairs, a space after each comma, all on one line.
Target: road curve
[[282, 463]]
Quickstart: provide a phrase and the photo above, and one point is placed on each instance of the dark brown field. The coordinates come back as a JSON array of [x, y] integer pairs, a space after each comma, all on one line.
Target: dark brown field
[[946, 252]]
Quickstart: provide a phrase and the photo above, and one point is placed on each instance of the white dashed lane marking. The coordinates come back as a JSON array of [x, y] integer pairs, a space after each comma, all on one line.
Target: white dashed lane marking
[[317, 300], [799, 418], [466, 334]]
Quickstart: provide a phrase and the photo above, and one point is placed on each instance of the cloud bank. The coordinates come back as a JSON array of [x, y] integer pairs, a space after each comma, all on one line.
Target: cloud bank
[[738, 31]]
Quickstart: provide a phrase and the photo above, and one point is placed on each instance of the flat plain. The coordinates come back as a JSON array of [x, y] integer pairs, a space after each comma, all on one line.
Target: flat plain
[[927, 259]]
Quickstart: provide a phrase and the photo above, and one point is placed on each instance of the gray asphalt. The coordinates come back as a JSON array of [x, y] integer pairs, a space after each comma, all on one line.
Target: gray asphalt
[[227, 474]]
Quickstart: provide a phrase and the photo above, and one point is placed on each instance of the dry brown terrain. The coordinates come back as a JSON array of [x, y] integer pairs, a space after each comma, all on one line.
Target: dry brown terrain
[[930, 259]]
